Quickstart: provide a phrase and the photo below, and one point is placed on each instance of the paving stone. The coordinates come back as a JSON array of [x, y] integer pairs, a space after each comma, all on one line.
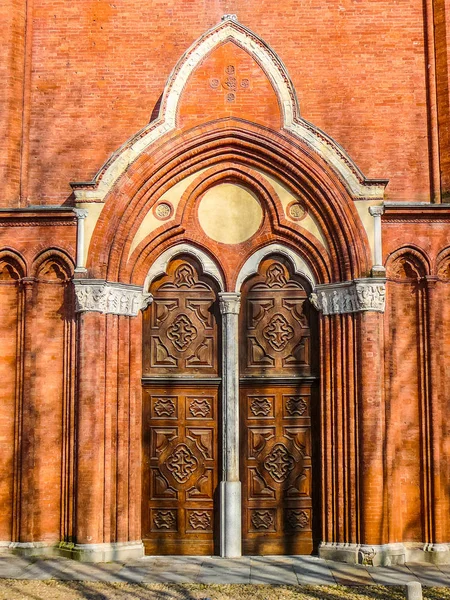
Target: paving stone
[[225, 571], [45, 569], [312, 571], [346, 574], [397, 575], [430, 575], [108, 572], [171, 577], [272, 573], [132, 574]]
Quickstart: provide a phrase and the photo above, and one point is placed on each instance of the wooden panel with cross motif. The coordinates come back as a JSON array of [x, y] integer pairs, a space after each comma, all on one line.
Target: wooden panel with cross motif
[[276, 392], [275, 327], [180, 330], [180, 413], [180, 469]]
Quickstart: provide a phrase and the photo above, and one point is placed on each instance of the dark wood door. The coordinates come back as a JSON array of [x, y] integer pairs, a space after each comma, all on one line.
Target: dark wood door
[[180, 414], [277, 391]]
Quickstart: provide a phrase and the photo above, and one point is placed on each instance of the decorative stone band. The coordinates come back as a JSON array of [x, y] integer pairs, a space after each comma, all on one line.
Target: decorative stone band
[[97, 295], [349, 297]]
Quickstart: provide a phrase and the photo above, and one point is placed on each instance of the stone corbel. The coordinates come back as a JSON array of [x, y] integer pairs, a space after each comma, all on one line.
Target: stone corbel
[[97, 295], [350, 297]]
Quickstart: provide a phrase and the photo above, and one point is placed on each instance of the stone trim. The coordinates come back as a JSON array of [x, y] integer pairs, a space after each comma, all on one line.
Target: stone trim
[[159, 267], [383, 555], [97, 295], [251, 265], [359, 295], [92, 553], [229, 28]]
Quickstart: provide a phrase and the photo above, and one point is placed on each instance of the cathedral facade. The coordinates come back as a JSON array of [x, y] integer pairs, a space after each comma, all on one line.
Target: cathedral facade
[[225, 280]]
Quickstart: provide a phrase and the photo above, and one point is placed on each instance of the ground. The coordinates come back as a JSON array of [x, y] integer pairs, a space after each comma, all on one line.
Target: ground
[[13, 589]]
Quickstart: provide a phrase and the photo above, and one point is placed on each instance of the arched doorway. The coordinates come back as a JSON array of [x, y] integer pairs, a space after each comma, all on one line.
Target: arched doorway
[[278, 401], [181, 379]]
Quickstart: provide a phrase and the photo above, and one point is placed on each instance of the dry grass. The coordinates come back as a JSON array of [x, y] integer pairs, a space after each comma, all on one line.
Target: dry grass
[[11, 589]]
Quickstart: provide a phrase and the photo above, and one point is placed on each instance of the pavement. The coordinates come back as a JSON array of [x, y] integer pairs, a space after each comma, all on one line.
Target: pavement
[[286, 570]]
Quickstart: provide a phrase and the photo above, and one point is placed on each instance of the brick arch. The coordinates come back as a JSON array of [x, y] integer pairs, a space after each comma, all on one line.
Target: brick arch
[[12, 265], [274, 220], [53, 265], [306, 174], [229, 30], [443, 265], [407, 264]]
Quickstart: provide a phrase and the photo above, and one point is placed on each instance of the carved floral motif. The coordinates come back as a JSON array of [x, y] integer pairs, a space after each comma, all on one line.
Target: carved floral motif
[[278, 332], [184, 276], [279, 463], [200, 520], [164, 407], [296, 405], [182, 332], [275, 276], [182, 463], [163, 210], [260, 406], [262, 519], [164, 519], [199, 407], [230, 83], [297, 519]]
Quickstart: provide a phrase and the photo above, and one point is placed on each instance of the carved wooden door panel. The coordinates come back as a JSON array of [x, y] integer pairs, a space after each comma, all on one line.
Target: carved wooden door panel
[[180, 411], [277, 391]]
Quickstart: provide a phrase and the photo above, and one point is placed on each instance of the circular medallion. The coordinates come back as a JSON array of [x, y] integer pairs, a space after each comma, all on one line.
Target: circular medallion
[[296, 211], [163, 211], [229, 213]]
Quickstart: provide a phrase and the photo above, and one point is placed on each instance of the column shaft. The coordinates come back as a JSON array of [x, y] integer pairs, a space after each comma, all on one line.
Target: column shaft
[[230, 486]]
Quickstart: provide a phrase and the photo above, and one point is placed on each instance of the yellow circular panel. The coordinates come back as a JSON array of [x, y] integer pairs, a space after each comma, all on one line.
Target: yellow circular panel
[[229, 213]]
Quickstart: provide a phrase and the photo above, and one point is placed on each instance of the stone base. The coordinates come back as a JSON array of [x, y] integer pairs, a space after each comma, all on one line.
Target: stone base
[[93, 553], [377, 556], [436, 554], [230, 519], [45, 549], [118, 551]]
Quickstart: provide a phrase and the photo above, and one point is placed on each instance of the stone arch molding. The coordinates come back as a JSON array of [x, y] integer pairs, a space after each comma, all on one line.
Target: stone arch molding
[[230, 29], [208, 266], [251, 265]]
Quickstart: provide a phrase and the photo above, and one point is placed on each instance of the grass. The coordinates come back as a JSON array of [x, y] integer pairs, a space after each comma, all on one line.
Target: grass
[[12, 589]]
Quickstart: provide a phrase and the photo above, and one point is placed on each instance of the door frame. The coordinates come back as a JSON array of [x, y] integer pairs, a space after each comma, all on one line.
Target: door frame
[[230, 504]]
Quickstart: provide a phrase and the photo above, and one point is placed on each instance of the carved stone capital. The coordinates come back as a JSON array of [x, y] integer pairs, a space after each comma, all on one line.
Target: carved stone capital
[[350, 297], [230, 302], [81, 213], [97, 295], [376, 211]]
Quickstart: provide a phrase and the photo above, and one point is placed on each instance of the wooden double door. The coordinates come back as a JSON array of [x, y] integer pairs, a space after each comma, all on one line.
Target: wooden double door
[[182, 413]]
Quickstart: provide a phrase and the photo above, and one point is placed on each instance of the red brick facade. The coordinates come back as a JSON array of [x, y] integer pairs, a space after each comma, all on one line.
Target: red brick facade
[[89, 88]]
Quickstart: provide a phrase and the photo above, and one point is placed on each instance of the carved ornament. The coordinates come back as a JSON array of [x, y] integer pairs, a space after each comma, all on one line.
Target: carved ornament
[[354, 296], [94, 295]]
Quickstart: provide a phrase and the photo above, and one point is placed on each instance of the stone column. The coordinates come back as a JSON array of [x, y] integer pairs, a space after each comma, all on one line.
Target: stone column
[[81, 213], [230, 486], [378, 269]]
